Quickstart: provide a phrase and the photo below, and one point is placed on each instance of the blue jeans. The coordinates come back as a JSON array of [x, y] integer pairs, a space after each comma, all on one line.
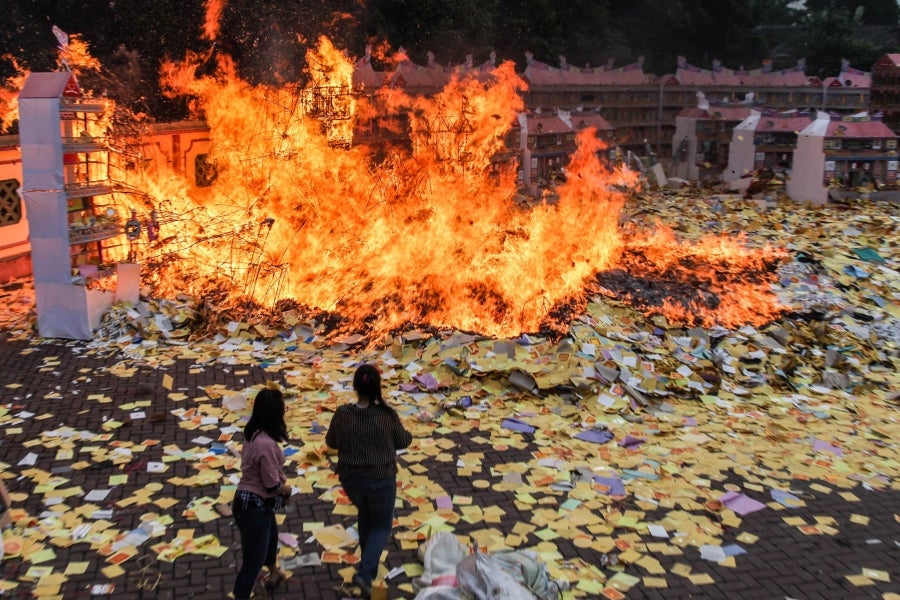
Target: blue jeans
[[374, 501], [259, 545]]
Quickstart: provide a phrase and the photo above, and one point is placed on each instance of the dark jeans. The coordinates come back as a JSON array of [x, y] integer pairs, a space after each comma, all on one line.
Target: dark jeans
[[259, 545], [374, 501]]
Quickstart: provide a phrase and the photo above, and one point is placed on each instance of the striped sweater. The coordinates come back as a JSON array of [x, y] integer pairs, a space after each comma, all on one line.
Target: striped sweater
[[367, 440]]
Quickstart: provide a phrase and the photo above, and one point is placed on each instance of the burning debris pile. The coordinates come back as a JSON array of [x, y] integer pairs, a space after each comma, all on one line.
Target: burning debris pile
[[717, 281], [822, 280], [428, 235], [424, 231]]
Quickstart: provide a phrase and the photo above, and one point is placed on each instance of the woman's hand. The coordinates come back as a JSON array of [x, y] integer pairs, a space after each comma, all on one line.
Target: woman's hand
[[286, 489]]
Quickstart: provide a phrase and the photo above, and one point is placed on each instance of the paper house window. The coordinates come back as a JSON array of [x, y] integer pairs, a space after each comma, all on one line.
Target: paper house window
[[205, 171], [10, 202]]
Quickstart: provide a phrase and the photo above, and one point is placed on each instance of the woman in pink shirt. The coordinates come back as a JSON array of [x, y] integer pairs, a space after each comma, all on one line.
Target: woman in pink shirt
[[263, 488]]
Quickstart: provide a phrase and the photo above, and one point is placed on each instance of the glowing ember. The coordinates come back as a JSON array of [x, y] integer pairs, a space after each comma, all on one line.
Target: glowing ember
[[716, 281]]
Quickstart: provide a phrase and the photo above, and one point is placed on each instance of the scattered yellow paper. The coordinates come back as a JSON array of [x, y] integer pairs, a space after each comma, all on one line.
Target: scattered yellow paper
[[859, 519]]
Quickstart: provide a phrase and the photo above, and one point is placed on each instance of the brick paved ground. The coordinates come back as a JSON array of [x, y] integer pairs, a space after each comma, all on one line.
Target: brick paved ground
[[783, 563]]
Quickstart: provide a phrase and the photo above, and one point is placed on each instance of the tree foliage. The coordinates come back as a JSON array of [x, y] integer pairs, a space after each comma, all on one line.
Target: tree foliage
[[864, 12], [827, 37]]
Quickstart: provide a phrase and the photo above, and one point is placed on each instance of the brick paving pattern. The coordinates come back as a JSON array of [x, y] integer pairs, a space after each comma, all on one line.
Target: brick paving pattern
[[783, 563]]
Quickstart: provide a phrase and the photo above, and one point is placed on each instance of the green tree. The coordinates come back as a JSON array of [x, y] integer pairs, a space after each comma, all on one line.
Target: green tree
[[130, 39], [26, 36], [450, 29], [268, 39], [659, 30], [865, 12], [577, 29], [736, 32], [828, 36]]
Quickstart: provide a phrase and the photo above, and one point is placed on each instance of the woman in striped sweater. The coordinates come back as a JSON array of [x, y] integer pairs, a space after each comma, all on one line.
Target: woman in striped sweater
[[367, 435]]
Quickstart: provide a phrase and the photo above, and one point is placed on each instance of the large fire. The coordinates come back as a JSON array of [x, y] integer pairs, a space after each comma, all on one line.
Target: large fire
[[430, 233], [426, 232]]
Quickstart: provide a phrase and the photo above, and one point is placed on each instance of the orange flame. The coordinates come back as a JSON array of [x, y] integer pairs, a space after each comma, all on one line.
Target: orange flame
[[214, 9], [432, 235], [77, 56], [9, 94], [724, 268], [426, 231], [380, 50]]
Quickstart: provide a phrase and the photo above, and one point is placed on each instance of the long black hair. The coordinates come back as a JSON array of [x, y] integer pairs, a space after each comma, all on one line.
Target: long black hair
[[268, 416], [367, 384]]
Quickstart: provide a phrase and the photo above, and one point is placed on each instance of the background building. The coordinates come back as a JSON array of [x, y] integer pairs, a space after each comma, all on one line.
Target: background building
[[848, 151], [703, 135], [885, 94], [765, 140]]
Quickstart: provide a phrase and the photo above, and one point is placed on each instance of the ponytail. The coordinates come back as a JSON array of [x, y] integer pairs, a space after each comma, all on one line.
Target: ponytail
[[367, 384]]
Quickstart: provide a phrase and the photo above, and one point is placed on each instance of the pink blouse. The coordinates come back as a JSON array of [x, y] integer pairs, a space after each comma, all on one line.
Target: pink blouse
[[261, 466]]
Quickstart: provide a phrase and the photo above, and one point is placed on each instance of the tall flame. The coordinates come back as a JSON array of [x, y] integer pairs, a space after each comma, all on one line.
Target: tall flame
[[76, 55], [9, 94], [431, 234], [426, 228], [214, 9]]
